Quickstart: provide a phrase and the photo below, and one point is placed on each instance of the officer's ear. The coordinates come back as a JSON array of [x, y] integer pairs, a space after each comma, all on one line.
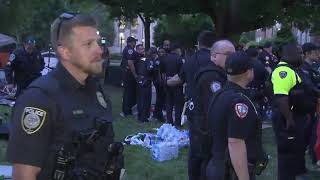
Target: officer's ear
[[64, 52]]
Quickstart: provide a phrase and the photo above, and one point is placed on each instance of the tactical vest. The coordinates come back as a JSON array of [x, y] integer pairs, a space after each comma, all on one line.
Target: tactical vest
[[302, 98], [73, 127]]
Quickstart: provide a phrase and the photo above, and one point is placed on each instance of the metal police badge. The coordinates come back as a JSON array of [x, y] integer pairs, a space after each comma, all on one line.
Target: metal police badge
[[215, 86], [130, 51], [241, 110], [283, 74], [101, 100], [32, 119]]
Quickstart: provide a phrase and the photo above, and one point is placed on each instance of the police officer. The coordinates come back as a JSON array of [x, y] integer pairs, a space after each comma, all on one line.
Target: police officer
[[312, 77], [25, 65], [233, 122], [62, 108], [159, 85], [267, 57], [170, 66], [144, 69], [208, 80], [129, 57], [256, 88], [292, 103]]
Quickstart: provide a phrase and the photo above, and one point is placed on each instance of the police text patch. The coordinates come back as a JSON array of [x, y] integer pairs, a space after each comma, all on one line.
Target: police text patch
[[241, 110], [215, 86], [283, 74], [32, 119]]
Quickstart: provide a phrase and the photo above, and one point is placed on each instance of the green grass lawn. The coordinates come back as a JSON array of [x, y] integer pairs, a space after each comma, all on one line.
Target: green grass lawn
[[138, 161]]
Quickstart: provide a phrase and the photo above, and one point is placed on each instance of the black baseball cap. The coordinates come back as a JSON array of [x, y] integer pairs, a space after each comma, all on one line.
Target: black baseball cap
[[131, 39], [307, 47], [238, 63]]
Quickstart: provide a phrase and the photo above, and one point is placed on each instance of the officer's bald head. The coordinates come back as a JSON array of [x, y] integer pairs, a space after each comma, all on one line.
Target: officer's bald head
[[221, 46], [220, 50]]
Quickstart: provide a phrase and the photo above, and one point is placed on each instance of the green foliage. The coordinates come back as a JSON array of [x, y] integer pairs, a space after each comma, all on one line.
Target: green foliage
[[247, 37], [34, 17], [284, 36], [183, 29]]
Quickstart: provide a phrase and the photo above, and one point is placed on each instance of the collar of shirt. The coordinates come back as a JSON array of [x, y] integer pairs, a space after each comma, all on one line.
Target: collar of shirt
[[68, 81], [232, 85]]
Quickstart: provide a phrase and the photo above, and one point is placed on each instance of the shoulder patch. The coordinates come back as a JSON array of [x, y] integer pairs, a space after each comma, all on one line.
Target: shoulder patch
[[183, 61], [12, 57], [101, 100], [283, 74], [32, 119], [130, 51], [267, 58], [215, 86], [241, 110]]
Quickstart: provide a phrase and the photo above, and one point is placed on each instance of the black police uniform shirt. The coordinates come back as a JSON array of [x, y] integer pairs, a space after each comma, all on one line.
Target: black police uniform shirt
[[212, 79], [232, 115], [128, 53], [171, 64], [25, 66], [144, 67], [261, 75], [200, 59], [269, 60], [310, 75], [43, 120]]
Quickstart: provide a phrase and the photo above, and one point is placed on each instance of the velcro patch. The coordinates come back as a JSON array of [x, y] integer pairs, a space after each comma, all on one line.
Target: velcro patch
[[283, 74], [241, 110], [32, 119]]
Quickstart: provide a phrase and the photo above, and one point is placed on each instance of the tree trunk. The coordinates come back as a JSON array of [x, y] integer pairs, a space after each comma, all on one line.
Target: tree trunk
[[147, 24]]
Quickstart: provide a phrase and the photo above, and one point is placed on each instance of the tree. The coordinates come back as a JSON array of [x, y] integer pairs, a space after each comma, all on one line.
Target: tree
[[182, 28], [230, 17]]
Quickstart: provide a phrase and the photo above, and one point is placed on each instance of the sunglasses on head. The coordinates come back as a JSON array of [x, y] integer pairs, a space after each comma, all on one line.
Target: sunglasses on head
[[64, 17]]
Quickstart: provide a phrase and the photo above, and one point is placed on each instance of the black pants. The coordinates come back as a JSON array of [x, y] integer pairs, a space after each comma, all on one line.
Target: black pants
[[174, 98], [197, 160], [312, 137], [291, 153], [160, 100], [144, 102], [129, 93]]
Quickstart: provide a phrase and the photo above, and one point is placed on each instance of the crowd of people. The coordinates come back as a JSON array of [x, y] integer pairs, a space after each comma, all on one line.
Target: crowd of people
[[61, 125], [226, 94]]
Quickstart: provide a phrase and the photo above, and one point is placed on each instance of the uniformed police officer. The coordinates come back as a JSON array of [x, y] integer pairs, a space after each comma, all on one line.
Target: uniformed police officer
[[208, 80], [62, 108], [144, 69], [129, 56], [312, 77], [233, 122], [25, 65], [186, 75], [292, 102], [256, 88], [267, 57], [170, 66], [159, 85]]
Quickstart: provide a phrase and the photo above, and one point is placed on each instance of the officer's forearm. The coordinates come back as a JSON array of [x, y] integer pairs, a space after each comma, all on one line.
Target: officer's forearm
[[283, 104], [238, 155], [175, 80], [132, 68], [25, 172]]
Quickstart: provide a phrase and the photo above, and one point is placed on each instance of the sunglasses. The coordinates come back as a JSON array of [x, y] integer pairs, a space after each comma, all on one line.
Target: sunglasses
[[64, 17]]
